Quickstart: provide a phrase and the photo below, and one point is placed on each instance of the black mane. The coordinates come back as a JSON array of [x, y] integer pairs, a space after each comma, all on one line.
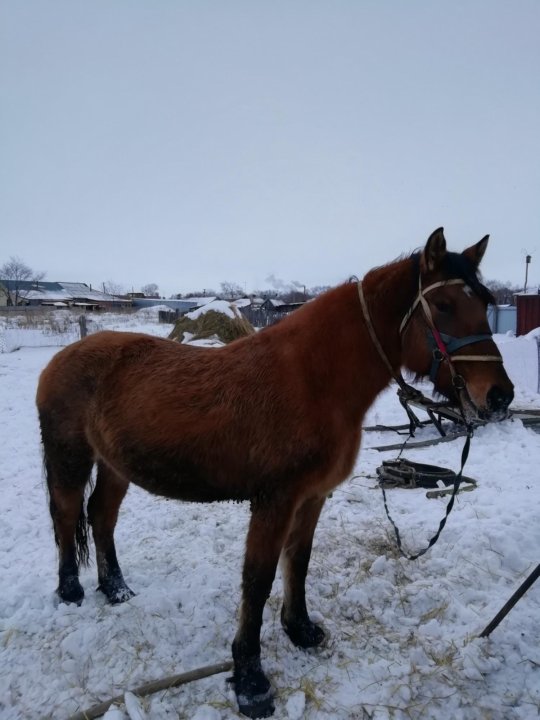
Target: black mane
[[457, 265]]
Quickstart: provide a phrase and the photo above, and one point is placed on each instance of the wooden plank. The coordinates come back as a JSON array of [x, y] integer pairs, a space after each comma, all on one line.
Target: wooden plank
[[419, 443]]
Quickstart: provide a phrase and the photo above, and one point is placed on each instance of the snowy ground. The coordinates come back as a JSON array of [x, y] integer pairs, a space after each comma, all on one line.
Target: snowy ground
[[403, 637]]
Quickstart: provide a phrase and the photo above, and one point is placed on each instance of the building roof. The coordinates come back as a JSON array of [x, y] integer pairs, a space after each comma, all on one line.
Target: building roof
[[81, 290], [29, 285], [33, 290], [534, 290], [200, 301], [48, 292]]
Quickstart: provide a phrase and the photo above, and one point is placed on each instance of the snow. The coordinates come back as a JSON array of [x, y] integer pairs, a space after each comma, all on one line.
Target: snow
[[61, 327], [202, 300], [243, 302], [521, 360], [221, 306], [402, 637]]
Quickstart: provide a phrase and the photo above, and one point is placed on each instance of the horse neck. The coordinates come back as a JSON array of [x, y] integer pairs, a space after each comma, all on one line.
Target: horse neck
[[331, 335]]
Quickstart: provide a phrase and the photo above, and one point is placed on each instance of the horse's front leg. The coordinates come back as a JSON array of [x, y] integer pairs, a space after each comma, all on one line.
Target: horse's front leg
[[294, 564], [267, 531]]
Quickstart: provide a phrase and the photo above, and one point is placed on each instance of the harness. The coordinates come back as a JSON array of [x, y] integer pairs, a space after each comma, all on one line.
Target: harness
[[442, 346]]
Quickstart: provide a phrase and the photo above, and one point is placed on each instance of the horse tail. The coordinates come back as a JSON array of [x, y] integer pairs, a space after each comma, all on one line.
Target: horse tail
[[67, 467], [82, 552], [81, 538]]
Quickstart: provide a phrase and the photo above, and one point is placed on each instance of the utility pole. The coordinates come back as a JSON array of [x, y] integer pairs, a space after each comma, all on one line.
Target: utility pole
[[527, 262]]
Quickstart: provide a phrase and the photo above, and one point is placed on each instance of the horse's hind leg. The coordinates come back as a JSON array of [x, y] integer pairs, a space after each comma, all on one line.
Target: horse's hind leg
[[68, 471], [103, 507], [294, 564]]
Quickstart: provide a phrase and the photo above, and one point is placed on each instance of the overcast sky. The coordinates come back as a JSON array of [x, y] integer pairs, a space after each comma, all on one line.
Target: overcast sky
[[190, 143]]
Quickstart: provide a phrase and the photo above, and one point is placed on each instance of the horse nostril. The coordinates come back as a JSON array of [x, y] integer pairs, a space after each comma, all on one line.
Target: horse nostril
[[497, 399]]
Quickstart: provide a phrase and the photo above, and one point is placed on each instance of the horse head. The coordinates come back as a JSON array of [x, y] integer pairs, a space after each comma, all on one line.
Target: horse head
[[446, 334]]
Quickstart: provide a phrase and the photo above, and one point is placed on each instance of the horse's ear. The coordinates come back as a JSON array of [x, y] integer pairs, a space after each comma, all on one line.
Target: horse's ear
[[434, 251], [475, 253]]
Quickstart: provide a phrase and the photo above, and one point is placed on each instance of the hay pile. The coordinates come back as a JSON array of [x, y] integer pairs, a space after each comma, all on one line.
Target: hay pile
[[218, 319]]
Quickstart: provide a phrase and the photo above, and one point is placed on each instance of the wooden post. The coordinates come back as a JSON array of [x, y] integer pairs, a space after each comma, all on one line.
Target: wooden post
[[82, 325]]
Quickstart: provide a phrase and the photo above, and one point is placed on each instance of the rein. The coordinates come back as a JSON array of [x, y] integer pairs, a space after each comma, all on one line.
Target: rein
[[407, 391], [443, 346], [449, 507]]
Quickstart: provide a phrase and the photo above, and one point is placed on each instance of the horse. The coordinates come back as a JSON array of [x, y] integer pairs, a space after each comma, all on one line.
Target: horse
[[273, 419]]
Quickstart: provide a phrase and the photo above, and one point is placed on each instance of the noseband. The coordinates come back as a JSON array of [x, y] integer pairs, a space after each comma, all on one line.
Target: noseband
[[442, 344]]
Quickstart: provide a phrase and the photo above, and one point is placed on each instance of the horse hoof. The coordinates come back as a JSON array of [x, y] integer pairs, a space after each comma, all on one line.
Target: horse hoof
[[116, 593], [253, 691], [304, 634], [256, 706], [121, 596], [71, 591]]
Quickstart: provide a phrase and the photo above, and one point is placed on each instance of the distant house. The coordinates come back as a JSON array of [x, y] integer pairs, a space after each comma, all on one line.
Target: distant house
[[278, 306], [84, 296], [528, 311], [34, 293], [252, 301], [267, 312]]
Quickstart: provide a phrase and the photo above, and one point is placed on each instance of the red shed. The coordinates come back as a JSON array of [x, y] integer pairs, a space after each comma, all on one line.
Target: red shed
[[528, 313]]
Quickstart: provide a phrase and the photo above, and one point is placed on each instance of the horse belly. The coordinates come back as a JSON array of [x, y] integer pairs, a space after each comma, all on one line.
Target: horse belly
[[187, 489], [181, 479]]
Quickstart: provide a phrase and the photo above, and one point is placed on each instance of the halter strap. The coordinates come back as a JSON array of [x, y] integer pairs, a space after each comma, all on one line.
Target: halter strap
[[374, 338], [420, 297]]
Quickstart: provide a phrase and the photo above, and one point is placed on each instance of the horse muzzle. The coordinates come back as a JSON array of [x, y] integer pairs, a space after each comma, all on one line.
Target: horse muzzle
[[497, 404]]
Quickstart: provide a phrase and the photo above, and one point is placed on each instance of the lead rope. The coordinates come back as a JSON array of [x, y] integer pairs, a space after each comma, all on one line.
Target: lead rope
[[409, 391], [450, 505]]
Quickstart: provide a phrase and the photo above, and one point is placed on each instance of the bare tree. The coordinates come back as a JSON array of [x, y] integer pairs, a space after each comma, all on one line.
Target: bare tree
[[231, 290], [503, 291], [18, 272], [293, 296], [112, 288], [264, 294], [150, 290], [318, 290]]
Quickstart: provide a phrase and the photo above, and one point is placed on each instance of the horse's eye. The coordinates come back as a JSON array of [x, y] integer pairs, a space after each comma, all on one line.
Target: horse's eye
[[443, 307]]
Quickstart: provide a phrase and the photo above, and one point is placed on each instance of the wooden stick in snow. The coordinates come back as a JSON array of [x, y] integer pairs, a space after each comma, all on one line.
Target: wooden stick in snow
[[154, 686], [520, 592]]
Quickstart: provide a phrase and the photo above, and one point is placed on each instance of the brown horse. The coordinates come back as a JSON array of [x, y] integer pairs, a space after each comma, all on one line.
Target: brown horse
[[274, 419]]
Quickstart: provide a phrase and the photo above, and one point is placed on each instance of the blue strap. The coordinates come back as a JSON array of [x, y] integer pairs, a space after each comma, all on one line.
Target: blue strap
[[452, 344]]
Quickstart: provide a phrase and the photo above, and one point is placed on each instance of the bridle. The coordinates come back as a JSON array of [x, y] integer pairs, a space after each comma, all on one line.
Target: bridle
[[443, 345]]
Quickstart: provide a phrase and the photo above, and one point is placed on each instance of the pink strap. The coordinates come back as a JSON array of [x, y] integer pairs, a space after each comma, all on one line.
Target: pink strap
[[438, 340]]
